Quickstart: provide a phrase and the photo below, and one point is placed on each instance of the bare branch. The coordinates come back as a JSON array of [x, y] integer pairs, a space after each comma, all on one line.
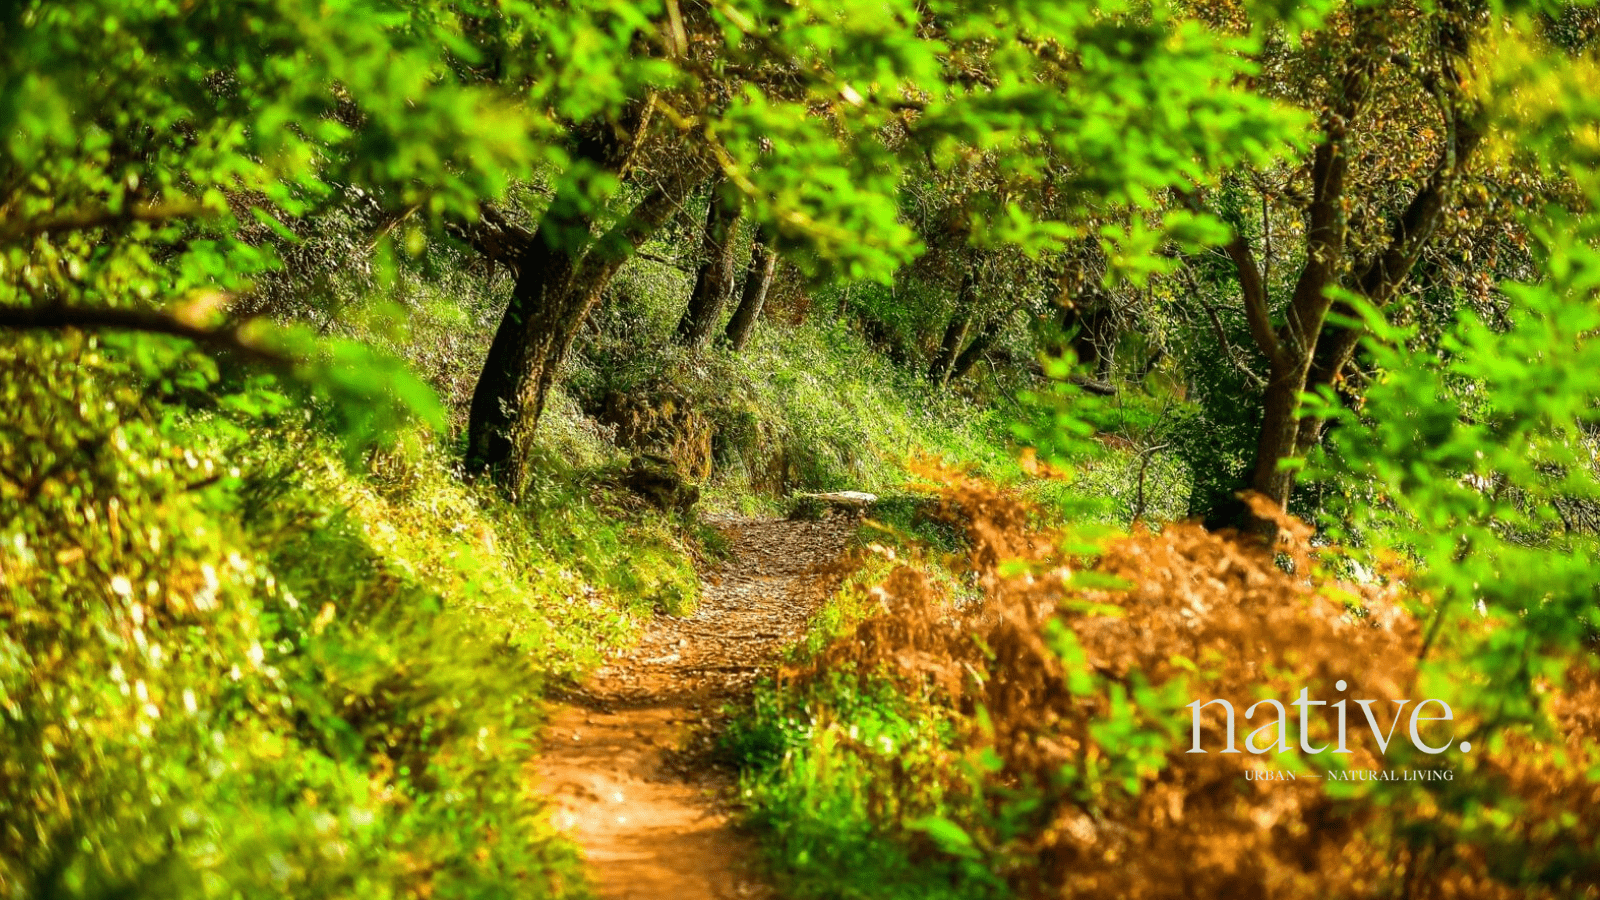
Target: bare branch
[[1266, 242], [389, 226], [1252, 286], [1093, 385], [1227, 348]]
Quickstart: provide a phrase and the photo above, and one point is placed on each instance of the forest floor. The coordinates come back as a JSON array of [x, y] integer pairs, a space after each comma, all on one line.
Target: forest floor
[[628, 760]]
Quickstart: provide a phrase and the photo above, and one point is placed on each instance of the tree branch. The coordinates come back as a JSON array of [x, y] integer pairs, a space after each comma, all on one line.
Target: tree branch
[[60, 317], [1227, 348], [665, 260], [1092, 385], [1382, 278], [612, 248], [1252, 287], [1254, 290], [1411, 232], [499, 239], [82, 220], [1326, 225]]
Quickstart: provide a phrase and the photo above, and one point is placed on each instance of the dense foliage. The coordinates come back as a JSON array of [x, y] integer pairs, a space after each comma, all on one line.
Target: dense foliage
[[335, 335]]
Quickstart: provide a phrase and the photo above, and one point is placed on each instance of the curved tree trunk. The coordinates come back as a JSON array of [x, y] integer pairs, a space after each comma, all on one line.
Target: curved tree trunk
[[713, 283], [1289, 347], [554, 294], [1309, 351], [757, 281], [544, 268], [543, 264]]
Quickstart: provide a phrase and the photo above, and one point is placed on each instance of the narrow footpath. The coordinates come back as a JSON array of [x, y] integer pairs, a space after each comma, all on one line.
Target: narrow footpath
[[620, 763]]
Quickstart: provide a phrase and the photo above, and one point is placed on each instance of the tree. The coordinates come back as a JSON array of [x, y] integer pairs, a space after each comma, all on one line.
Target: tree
[[148, 148], [713, 284], [152, 151], [987, 335], [561, 268], [813, 120], [753, 296], [1388, 65], [955, 331]]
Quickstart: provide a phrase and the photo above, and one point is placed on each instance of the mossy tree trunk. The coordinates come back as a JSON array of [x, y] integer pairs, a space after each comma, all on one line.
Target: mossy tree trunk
[[556, 288], [713, 283], [757, 282], [544, 270]]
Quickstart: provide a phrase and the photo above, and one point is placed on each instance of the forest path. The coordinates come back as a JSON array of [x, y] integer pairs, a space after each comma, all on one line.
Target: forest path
[[625, 760]]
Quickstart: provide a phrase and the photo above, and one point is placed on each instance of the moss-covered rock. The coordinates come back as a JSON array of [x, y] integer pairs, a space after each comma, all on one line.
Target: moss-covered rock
[[661, 422], [659, 480]]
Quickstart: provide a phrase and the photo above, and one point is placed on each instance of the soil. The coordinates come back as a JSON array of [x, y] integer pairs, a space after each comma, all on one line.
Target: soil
[[626, 761]]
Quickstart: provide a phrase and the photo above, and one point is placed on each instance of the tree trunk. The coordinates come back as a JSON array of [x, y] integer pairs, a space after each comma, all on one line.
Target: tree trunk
[[1308, 351], [544, 268], [1094, 338], [1388, 272], [713, 283], [554, 294], [1335, 347], [757, 281], [1280, 429], [979, 346], [542, 265], [1290, 347], [955, 332]]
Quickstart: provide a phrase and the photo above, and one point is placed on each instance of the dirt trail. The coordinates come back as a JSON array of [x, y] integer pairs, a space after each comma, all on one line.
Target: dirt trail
[[646, 808]]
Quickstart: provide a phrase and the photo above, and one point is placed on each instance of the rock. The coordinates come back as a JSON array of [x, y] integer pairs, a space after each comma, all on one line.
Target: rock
[[1094, 386], [661, 422], [659, 480]]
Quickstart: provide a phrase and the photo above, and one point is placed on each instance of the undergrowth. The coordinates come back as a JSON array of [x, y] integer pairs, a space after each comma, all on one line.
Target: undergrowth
[[809, 405], [825, 761], [812, 406], [326, 663], [251, 660], [815, 769], [1028, 737]]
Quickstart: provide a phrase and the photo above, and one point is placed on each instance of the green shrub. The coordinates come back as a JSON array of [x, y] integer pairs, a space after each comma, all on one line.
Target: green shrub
[[232, 664], [811, 769]]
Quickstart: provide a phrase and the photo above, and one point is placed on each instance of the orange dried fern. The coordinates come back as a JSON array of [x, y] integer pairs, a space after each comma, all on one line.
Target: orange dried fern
[[1037, 671]]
